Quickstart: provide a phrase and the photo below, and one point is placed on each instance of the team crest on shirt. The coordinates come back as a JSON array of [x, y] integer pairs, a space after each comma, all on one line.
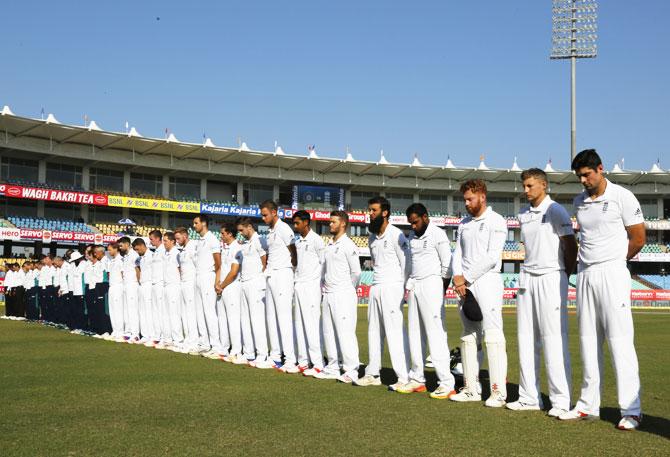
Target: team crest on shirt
[[544, 218], [425, 244], [385, 243], [481, 227], [605, 205]]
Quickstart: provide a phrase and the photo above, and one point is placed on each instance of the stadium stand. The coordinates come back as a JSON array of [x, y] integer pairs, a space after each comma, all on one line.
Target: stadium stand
[[37, 223]]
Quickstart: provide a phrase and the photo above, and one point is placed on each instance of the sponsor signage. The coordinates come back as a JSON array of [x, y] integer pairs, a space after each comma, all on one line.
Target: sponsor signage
[[47, 236], [65, 196], [153, 204]]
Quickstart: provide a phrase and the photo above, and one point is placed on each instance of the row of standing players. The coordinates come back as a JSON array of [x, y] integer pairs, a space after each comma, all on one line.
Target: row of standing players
[[282, 301]]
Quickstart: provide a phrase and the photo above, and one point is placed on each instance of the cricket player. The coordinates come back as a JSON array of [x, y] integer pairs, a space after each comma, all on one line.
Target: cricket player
[[612, 231], [279, 292], [145, 260], [115, 269], [342, 271], [189, 319], [230, 295], [389, 251], [20, 292], [208, 271], [89, 292], [9, 283], [430, 255], [77, 286], [131, 285], [476, 266], [47, 288], [157, 285], [100, 277], [253, 283], [172, 293], [310, 252], [31, 290], [542, 313], [61, 294]]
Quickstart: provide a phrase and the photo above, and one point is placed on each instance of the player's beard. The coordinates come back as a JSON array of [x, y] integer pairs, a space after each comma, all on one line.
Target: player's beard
[[375, 224], [472, 210]]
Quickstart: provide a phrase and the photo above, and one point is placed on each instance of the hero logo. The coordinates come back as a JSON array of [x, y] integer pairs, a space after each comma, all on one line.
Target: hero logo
[[14, 191]]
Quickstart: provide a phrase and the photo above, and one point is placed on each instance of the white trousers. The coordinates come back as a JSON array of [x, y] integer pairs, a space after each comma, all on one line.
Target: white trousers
[[603, 310], [205, 303], [279, 314], [173, 300], [157, 310], [254, 334], [131, 312], [488, 291], [145, 311], [385, 318], [116, 309], [339, 316], [308, 323], [189, 320], [229, 311], [425, 314], [542, 322]]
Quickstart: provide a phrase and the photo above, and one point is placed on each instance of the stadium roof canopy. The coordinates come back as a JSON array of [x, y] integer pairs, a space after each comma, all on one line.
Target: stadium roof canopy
[[20, 133]]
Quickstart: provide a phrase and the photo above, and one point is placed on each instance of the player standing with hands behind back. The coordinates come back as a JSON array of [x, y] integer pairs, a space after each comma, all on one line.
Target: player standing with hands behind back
[[542, 313], [611, 232], [476, 267]]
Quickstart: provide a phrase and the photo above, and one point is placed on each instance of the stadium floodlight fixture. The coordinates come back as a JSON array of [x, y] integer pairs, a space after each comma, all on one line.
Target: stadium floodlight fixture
[[574, 36]]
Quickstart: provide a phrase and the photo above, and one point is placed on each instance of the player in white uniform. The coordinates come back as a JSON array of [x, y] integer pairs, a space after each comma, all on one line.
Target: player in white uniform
[[342, 271], [612, 231], [230, 295], [542, 313], [430, 255], [279, 292], [187, 257], [254, 260], [144, 261], [115, 268], [172, 292], [310, 250], [389, 251], [476, 266], [76, 278], [131, 284], [208, 271], [157, 284]]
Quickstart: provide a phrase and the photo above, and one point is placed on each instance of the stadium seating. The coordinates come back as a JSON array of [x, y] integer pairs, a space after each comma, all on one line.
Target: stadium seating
[[139, 230], [654, 248], [37, 223], [366, 277], [42, 185], [660, 281]]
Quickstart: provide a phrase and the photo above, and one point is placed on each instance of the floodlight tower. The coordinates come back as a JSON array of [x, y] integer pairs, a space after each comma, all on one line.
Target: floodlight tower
[[574, 34]]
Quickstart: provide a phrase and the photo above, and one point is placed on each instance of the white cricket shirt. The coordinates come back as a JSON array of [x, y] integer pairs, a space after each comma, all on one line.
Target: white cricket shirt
[[342, 268], [389, 252], [130, 261], [541, 229], [252, 251], [231, 254], [115, 269], [602, 225], [171, 267], [311, 253], [479, 245], [157, 260], [430, 253], [207, 246], [187, 258], [146, 266], [279, 238]]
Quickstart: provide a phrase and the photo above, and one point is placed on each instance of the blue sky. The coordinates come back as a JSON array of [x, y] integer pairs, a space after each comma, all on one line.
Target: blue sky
[[436, 78]]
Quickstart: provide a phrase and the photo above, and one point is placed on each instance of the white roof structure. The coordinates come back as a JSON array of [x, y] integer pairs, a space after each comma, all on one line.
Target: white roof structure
[[51, 138]]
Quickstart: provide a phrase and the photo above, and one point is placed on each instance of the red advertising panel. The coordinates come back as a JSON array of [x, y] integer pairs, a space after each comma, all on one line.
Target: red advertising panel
[[65, 196]]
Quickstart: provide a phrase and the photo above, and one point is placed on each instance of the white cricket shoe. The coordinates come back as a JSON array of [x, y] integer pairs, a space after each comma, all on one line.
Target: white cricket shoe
[[396, 386], [326, 375], [496, 400], [345, 379], [629, 422], [442, 393], [464, 395], [290, 368], [368, 380], [311, 371], [263, 365], [239, 360], [521, 406], [411, 387], [576, 414], [556, 412]]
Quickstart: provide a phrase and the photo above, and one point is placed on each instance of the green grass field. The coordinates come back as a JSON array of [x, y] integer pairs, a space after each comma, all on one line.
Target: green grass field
[[69, 395]]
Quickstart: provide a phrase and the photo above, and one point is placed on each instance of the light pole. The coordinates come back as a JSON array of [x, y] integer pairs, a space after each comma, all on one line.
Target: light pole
[[573, 36]]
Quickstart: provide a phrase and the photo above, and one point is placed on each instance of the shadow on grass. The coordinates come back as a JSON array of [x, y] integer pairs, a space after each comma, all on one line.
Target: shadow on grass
[[650, 424]]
